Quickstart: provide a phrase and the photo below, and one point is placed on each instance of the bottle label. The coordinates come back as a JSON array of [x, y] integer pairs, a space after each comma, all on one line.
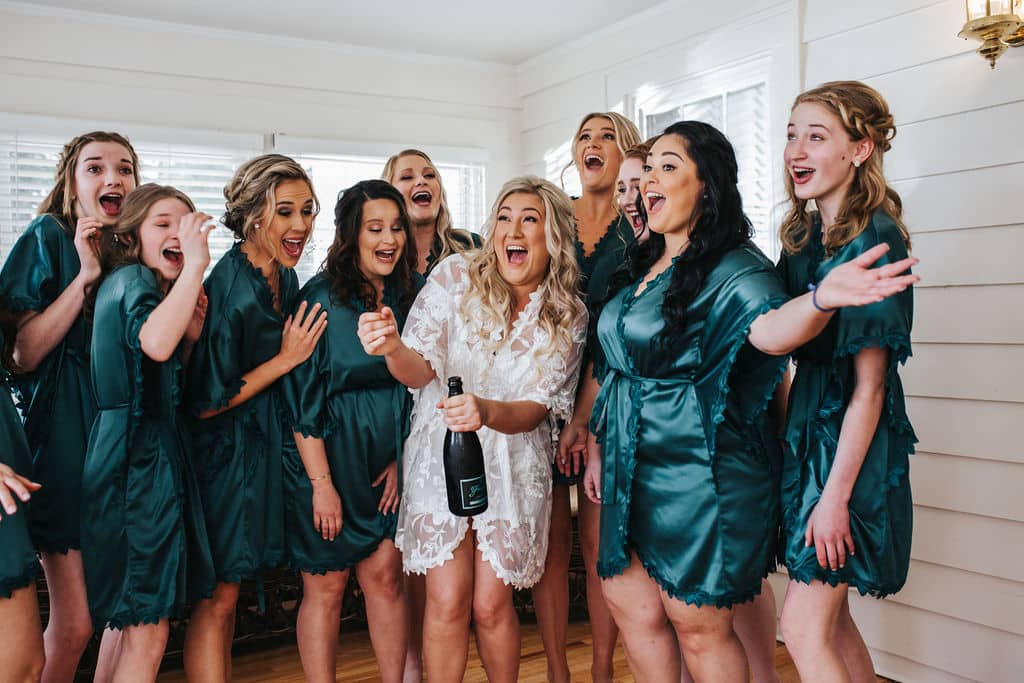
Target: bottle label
[[474, 492]]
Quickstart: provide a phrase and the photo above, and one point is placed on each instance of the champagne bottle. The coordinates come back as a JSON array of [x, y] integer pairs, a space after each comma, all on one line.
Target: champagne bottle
[[464, 467]]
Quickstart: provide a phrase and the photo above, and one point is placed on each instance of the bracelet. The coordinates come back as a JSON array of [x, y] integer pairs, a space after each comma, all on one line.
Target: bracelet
[[813, 289], [320, 477]]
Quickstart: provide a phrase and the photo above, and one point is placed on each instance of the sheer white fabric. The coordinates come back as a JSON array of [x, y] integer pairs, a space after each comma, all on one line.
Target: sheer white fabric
[[512, 534]]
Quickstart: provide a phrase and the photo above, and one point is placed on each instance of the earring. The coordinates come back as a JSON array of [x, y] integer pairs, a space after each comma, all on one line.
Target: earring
[[256, 225], [115, 239], [856, 163]]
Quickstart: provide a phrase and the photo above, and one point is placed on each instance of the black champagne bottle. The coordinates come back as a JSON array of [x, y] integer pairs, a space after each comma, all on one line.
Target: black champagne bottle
[[464, 467]]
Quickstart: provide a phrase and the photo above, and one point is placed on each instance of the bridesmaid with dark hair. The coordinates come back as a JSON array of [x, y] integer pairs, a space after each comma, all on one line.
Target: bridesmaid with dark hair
[[21, 657], [250, 340], [350, 418]]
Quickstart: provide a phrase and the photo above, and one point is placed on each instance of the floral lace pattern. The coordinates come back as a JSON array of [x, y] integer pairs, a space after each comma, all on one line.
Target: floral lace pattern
[[512, 534]]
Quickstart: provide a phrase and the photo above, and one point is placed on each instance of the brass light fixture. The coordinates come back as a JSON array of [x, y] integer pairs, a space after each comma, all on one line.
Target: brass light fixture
[[997, 24]]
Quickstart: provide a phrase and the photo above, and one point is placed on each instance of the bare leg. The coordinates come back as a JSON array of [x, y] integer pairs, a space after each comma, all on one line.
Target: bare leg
[[209, 634], [651, 646], [318, 622], [21, 656], [551, 594], [852, 648], [756, 625], [809, 618], [416, 600], [710, 646], [446, 618], [106, 660], [70, 627], [602, 626], [380, 577], [142, 647], [496, 624]]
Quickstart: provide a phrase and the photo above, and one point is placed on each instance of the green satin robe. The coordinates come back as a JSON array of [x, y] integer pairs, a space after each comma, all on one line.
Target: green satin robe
[[56, 399], [690, 464], [238, 453], [881, 510], [144, 544], [18, 563], [468, 240], [351, 401]]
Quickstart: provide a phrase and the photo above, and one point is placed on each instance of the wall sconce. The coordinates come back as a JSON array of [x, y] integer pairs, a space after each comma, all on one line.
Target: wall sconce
[[997, 24]]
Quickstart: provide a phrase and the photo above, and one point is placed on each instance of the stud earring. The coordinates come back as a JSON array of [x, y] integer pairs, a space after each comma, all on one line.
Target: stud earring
[[856, 163], [256, 225]]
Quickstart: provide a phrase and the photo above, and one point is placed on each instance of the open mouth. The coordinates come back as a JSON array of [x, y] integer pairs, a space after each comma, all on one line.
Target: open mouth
[[293, 247], [593, 162], [174, 256], [385, 255], [801, 174], [110, 204], [422, 198], [516, 254], [634, 218], [654, 202]]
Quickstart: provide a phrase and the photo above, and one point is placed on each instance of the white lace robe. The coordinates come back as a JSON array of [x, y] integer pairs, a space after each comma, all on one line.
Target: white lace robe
[[512, 534]]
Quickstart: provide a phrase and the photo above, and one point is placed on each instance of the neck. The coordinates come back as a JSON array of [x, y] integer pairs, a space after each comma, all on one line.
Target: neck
[[595, 204], [829, 205], [259, 259], [676, 243], [423, 235], [521, 296]]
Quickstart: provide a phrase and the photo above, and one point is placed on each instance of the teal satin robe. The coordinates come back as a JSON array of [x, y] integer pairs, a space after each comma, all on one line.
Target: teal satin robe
[[238, 453], [690, 466], [144, 543], [351, 401], [18, 563], [56, 399], [881, 510]]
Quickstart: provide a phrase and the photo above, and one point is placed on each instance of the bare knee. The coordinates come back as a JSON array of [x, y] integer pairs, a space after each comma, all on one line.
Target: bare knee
[[489, 612], [699, 637], [448, 606], [798, 631], [385, 583], [72, 632], [221, 605]]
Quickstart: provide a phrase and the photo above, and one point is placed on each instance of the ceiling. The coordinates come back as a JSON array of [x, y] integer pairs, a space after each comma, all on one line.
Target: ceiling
[[502, 32]]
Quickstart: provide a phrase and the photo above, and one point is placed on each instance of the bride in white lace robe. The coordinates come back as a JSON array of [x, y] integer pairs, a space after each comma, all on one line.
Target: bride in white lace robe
[[506, 319], [512, 534]]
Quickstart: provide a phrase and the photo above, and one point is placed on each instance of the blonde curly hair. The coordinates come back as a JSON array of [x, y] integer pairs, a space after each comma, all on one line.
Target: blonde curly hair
[[865, 115], [488, 292]]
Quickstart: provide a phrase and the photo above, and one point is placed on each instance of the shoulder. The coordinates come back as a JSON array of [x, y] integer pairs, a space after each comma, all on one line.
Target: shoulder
[[467, 239], [743, 259], [882, 228], [48, 228], [453, 269], [133, 277], [231, 267], [316, 290]]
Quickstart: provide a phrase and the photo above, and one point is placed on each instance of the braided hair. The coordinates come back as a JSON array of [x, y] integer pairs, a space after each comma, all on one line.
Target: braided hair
[[864, 115]]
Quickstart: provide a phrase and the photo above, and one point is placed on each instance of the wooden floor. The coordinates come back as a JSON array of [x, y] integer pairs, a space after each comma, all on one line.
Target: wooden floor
[[356, 662]]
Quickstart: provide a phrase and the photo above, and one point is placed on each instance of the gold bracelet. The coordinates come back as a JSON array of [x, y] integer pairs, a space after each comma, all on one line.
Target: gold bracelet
[[322, 476]]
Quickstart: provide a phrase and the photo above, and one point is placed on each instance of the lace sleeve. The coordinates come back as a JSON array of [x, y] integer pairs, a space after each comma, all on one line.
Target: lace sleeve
[[557, 374], [426, 327]]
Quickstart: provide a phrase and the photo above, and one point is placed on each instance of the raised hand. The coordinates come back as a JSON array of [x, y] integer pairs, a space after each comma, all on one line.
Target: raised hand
[[194, 237], [300, 334], [14, 485], [87, 235], [856, 283], [195, 325], [378, 332], [463, 413], [390, 497]]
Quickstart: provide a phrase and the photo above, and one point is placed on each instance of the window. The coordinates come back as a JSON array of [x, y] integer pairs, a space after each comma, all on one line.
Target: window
[[28, 163], [463, 184], [28, 160], [734, 100]]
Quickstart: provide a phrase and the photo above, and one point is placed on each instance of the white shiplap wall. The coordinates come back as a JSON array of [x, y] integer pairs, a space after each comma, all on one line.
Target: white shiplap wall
[[958, 163]]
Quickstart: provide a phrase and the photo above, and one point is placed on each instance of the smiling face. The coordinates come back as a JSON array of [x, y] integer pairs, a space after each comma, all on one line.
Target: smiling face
[[628, 189], [596, 154], [381, 239], [420, 184], [287, 225], [520, 243], [159, 248], [104, 174], [819, 154], [670, 187]]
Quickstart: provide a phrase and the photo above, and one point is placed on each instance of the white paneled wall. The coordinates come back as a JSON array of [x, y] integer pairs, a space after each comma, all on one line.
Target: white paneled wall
[[958, 162], [92, 67]]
